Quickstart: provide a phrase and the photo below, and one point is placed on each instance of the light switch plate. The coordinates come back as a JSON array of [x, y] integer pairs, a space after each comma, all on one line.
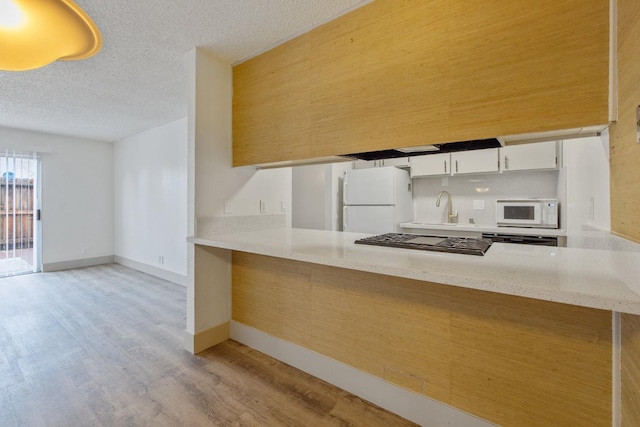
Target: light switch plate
[[478, 205], [263, 206]]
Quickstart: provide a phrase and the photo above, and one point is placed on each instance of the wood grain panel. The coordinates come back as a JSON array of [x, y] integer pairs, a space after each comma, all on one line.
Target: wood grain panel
[[379, 78], [397, 73], [271, 295], [519, 67], [271, 105], [532, 362], [393, 328], [514, 361], [630, 370], [624, 150]]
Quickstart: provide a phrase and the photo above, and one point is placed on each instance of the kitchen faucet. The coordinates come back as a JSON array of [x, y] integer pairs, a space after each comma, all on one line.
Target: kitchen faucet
[[451, 216]]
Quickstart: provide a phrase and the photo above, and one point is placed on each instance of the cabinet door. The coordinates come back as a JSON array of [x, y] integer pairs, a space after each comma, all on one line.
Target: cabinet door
[[271, 105], [430, 165], [399, 162], [477, 161], [364, 164], [425, 72], [513, 71], [541, 155], [379, 76]]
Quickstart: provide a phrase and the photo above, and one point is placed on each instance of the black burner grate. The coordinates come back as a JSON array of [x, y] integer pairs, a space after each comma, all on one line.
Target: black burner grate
[[458, 245]]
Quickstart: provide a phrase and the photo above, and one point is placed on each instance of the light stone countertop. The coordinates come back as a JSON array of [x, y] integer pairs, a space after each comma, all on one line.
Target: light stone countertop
[[485, 228], [596, 278]]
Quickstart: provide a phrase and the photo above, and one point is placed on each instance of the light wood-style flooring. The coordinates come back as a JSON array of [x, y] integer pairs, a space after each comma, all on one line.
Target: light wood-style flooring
[[102, 346]]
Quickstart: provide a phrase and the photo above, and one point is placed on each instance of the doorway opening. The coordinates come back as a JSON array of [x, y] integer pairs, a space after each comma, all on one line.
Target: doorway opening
[[19, 241]]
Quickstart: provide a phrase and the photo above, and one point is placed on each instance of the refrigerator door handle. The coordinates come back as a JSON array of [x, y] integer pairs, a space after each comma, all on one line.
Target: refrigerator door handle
[[344, 218], [344, 191]]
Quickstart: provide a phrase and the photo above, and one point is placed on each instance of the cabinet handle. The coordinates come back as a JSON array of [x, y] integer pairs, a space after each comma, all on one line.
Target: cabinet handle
[[506, 163], [456, 166], [445, 166]]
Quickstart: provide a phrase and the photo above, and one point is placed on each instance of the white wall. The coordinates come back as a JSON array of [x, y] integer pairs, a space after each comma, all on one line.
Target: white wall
[[488, 188], [150, 183], [586, 162], [77, 195], [214, 183], [309, 205]]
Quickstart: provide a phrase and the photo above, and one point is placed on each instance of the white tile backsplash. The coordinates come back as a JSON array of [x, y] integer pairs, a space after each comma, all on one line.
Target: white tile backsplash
[[469, 191]]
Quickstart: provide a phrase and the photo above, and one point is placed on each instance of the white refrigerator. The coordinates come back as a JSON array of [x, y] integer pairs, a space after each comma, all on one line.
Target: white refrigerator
[[376, 200]]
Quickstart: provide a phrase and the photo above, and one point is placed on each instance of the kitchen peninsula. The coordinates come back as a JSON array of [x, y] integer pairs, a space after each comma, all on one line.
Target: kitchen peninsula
[[520, 336]]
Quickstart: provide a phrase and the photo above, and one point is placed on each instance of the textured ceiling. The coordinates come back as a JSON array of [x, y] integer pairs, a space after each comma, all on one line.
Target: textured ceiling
[[138, 80]]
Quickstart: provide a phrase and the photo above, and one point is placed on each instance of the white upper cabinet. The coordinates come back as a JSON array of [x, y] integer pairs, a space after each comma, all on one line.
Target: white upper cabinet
[[363, 164], [476, 161], [430, 165], [535, 156], [540, 155], [400, 162]]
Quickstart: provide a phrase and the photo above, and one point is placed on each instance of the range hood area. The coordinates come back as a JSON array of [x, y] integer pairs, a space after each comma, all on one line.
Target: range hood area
[[450, 147], [479, 144]]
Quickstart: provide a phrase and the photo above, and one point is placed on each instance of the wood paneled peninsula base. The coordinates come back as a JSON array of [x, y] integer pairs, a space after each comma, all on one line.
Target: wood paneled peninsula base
[[506, 359]]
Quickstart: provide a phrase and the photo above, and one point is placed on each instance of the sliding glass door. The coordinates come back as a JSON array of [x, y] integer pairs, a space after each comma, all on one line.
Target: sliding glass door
[[19, 213]]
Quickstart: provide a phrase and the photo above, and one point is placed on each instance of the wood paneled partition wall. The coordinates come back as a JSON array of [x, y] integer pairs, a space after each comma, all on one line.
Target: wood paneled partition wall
[[625, 149], [630, 370], [625, 188], [514, 361], [398, 73]]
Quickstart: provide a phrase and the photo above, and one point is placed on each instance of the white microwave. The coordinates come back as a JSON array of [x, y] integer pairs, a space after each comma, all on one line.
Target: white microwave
[[538, 213]]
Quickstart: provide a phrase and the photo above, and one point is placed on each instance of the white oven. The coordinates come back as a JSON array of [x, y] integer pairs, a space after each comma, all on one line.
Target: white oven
[[538, 213]]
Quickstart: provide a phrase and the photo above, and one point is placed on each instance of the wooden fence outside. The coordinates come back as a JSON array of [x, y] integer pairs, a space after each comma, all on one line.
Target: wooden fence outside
[[16, 213]]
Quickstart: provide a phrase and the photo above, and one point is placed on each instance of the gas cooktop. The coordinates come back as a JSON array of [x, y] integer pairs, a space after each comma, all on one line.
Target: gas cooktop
[[458, 245]]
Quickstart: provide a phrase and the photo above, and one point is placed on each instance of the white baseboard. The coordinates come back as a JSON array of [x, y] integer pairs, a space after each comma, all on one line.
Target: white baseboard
[[154, 271], [76, 263], [203, 340], [412, 406]]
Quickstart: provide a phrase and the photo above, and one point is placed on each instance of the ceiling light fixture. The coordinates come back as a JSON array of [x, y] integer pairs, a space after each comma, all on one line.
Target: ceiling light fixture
[[34, 33]]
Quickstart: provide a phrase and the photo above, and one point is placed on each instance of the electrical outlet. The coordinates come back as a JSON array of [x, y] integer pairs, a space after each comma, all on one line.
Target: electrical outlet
[[283, 206], [263, 206], [227, 207], [592, 208], [478, 205], [160, 259], [445, 181]]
